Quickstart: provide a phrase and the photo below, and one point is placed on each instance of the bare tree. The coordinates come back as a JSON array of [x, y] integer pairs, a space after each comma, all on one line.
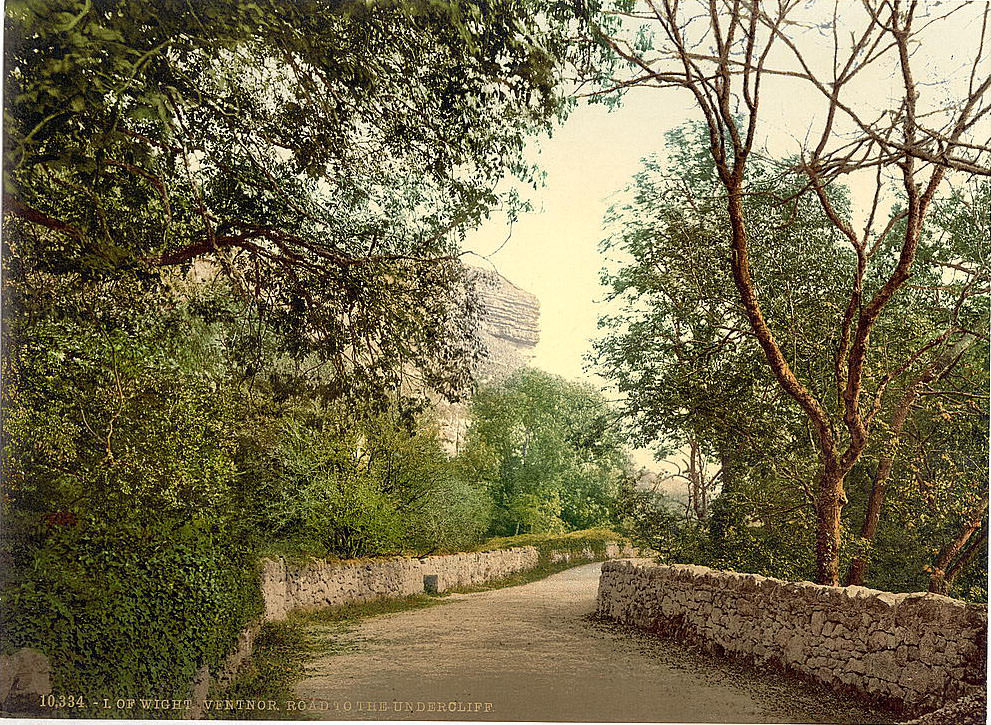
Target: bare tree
[[726, 53], [700, 478]]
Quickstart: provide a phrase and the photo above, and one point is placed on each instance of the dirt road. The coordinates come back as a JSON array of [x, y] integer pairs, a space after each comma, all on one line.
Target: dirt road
[[532, 652]]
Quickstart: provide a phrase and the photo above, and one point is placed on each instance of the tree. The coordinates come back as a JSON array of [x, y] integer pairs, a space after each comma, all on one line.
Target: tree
[[949, 388], [324, 157], [679, 347], [727, 56], [549, 452], [692, 373], [230, 267]]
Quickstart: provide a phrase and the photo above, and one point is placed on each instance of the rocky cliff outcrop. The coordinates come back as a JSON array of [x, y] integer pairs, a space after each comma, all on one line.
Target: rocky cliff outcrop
[[510, 331], [510, 325]]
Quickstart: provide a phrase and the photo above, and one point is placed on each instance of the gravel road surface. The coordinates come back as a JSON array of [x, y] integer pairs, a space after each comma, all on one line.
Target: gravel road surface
[[533, 652]]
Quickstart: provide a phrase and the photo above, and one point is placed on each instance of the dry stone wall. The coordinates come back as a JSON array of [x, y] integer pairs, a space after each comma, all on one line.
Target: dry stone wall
[[318, 583], [911, 651]]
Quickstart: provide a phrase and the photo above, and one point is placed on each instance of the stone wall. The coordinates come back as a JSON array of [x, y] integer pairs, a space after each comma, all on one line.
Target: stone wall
[[911, 651], [25, 676], [320, 583]]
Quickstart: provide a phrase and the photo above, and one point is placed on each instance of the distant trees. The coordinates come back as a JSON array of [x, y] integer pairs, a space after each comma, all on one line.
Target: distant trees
[[728, 57], [548, 452]]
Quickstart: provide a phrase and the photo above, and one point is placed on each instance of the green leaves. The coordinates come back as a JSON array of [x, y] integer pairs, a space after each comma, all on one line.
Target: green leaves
[[680, 350], [548, 451], [325, 153]]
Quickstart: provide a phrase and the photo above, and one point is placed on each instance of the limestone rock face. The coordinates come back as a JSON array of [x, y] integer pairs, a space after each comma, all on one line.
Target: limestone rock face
[[510, 325], [510, 331]]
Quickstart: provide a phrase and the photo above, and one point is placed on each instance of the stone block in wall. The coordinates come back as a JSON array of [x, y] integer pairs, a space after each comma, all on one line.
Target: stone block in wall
[[198, 692], [25, 676], [273, 588]]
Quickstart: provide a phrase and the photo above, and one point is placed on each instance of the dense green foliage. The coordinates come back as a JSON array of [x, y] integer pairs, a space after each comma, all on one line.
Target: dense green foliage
[[548, 451], [145, 475], [231, 283], [682, 352], [292, 149]]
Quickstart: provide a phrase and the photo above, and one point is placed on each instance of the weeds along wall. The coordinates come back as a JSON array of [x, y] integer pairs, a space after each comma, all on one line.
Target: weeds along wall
[[910, 651], [116, 614]]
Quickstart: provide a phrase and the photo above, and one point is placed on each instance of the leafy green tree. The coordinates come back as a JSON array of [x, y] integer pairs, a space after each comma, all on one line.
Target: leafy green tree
[[680, 351], [321, 482], [909, 142], [325, 157], [230, 242], [549, 452], [693, 374]]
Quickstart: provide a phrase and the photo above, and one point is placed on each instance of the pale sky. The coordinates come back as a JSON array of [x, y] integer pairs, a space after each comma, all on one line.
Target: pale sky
[[553, 251]]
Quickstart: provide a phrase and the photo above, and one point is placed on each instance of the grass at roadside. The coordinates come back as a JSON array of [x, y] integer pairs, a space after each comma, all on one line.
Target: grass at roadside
[[541, 571], [596, 539], [282, 648], [276, 664]]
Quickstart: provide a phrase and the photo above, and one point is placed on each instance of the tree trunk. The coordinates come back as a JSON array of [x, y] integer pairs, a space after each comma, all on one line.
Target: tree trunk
[[830, 495], [965, 558], [858, 567], [695, 479], [828, 509], [937, 580], [860, 564]]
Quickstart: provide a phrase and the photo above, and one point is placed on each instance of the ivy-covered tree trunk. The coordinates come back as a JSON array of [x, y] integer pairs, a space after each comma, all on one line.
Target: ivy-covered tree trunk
[[963, 561], [860, 564]]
